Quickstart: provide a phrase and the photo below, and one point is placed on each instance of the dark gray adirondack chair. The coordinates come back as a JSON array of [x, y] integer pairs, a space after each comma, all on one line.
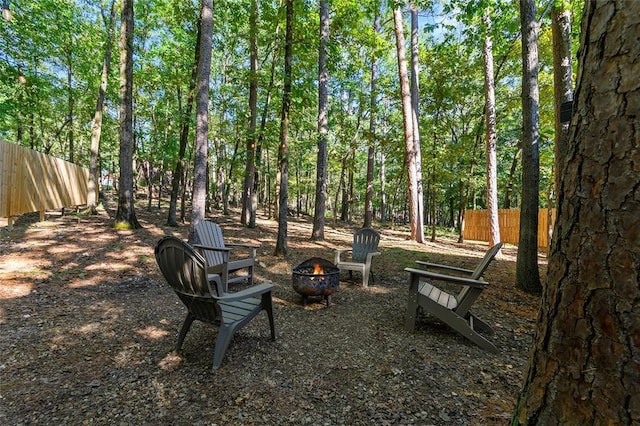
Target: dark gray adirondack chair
[[210, 236], [185, 270], [365, 246], [455, 311]]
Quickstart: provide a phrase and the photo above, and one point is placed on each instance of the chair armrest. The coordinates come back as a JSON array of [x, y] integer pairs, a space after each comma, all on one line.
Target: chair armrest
[[254, 291], [250, 248], [338, 253], [202, 247], [448, 278], [444, 267], [239, 245], [371, 254]]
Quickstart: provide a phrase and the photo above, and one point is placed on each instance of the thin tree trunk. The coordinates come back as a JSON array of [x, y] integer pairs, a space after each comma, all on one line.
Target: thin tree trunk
[[323, 125], [70, 100], [491, 136], [266, 191], [368, 199], [178, 172], [584, 364], [416, 219], [415, 114], [96, 127], [126, 215], [512, 175], [383, 188], [562, 81], [527, 274], [283, 152], [249, 199], [199, 196]]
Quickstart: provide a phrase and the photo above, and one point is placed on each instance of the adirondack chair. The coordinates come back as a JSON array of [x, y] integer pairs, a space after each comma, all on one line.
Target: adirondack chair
[[186, 271], [455, 311], [209, 235], [365, 246]]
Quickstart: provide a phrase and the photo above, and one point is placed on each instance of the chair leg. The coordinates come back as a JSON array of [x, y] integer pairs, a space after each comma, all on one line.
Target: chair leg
[[185, 329], [268, 306], [225, 333], [250, 278]]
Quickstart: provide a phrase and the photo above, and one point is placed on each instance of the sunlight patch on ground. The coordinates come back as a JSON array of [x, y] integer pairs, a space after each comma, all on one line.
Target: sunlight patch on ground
[[65, 250], [152, 332], [18, 265], [168, 363], [92, 327], [380, 290], [11, 290], [282, 302]]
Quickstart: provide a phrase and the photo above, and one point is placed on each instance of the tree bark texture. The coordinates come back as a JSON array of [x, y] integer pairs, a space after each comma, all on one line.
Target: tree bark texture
[[585, 366], [491, 137], [415, 215], [199, 196], [283, 151], [562, 80], [126, 215], [527, 274], [323, 125]]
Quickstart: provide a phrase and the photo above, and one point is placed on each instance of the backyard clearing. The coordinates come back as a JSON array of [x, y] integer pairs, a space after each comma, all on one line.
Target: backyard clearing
[[89, 326]]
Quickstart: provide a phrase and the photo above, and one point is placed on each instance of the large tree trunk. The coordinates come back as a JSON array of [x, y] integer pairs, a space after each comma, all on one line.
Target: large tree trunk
[[491, 136], [126, 214], [249, 199], [323, 125], [562, 81], [283, 152], [527, 274], [584, 367], [415, 214], [199, 196], [96, 127]]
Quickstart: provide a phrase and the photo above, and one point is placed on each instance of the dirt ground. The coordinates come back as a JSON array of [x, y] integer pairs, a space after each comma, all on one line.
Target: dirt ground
[[89, 326]]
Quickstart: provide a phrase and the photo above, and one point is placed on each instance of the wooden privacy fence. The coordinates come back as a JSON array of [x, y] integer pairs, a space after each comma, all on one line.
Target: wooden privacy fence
[[31, 181], [476, 225]]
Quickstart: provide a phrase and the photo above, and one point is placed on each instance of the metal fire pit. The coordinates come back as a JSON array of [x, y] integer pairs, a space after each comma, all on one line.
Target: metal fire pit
[[316, 277]]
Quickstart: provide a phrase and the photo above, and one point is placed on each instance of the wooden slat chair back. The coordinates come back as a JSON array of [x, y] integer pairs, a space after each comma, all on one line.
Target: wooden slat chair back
[[365, 246], [468, 294], [455, 311], [210, 234], [238, 268], [186, 272]]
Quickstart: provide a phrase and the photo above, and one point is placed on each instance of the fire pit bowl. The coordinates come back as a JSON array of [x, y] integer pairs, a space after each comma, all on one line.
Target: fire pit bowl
[[316, 277]]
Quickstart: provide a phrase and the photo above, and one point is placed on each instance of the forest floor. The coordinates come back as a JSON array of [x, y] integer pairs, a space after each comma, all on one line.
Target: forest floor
[[89, 326]]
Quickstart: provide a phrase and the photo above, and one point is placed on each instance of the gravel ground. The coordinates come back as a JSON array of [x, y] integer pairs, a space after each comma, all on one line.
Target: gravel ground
[[88, 327]]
